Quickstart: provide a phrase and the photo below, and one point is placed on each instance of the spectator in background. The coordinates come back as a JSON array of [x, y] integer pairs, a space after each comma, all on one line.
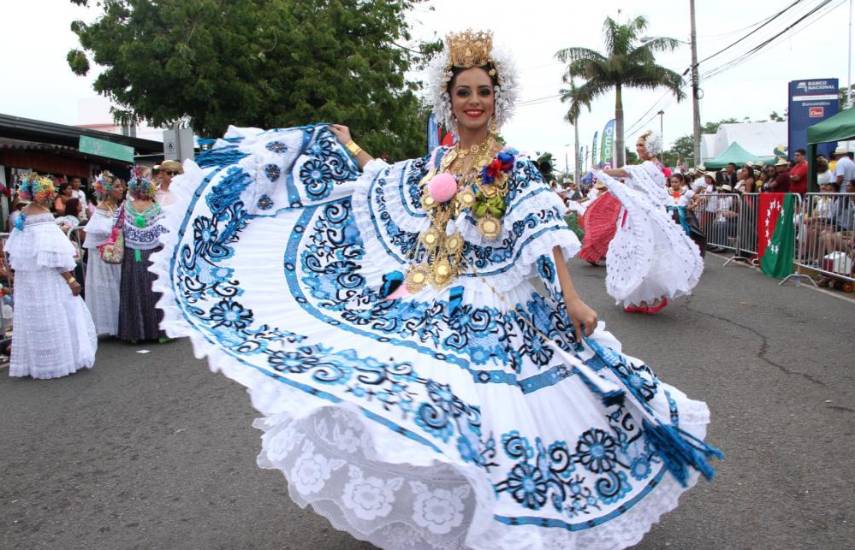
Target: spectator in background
[[746, 183], [166, 171], [781, 183], [844, 171], [71, 218], [823, 174], [66, 193], [839, 236], [18, 204], [767, 176], [728, 176], [799, 173], [80, 195]]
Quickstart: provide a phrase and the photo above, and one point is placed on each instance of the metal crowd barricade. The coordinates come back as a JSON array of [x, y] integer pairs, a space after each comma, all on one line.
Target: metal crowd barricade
[[747, 206], [825, 237], [718, 216]]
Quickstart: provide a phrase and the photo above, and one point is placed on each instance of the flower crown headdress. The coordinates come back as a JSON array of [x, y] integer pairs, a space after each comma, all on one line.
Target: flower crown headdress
[[36, 188], [465, 50], [104, 183], [140, 186]]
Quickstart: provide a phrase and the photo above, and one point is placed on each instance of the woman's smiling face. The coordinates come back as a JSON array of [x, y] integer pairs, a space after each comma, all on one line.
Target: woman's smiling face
[[472, 98]]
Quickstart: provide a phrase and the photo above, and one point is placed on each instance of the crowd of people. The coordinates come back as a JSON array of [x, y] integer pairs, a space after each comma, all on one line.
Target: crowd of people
[[86, 255], [707, 203]]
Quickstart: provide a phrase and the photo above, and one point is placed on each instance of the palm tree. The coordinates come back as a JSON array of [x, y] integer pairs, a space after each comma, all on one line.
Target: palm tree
[[576, 103], [628, 62]]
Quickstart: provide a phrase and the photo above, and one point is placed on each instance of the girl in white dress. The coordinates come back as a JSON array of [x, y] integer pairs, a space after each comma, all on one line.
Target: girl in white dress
[[103, 279], [651, 259], [53, 332]]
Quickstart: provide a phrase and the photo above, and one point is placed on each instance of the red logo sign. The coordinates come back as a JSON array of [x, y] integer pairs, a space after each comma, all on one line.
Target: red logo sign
[[816, 112]]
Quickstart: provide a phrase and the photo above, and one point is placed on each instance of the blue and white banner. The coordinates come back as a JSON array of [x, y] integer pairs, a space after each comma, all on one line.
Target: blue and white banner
[[594, 149], [607, 148], [432, 133], [810, 101]]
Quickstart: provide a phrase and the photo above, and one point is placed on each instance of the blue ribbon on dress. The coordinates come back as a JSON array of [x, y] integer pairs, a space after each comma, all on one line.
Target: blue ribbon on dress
[[681, 213]]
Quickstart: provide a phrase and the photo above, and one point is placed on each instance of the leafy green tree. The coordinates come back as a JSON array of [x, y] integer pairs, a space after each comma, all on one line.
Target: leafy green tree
[[628, 62], [712, 127], [682, 150], [265, 63]]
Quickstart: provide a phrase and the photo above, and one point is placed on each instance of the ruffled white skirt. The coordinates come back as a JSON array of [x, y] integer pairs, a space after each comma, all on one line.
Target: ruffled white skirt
[[401, 421], [53, 334], [650, 256]]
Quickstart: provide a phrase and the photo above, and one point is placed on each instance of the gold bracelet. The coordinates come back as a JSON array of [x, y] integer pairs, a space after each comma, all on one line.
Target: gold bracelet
[[353, 148], [71, 280]]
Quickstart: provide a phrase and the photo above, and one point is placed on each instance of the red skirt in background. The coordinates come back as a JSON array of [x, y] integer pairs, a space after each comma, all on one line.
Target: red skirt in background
[[600, 223]]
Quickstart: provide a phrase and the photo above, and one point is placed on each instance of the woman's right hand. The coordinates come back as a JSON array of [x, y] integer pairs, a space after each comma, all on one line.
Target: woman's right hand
[[342, 133]]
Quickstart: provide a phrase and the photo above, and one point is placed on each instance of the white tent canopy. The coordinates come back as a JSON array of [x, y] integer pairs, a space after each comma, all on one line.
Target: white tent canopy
[[758, 138]]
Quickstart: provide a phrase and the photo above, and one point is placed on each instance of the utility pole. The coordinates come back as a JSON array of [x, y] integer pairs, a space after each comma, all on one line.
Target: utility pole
[[577, 157], [566, 160], [696, 115], [849, 67]]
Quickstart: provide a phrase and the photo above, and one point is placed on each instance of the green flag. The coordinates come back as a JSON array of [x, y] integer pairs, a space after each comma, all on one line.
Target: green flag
[[778, 260]]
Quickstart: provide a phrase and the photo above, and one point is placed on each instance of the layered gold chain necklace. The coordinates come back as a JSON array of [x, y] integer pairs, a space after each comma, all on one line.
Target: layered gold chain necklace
[[441, 250]]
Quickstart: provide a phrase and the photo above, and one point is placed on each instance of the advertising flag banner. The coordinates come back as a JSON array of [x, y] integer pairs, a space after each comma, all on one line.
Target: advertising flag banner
[[432, 133], [778, 254], [811, 101], [767, 218], [608, 145], [594, 149]]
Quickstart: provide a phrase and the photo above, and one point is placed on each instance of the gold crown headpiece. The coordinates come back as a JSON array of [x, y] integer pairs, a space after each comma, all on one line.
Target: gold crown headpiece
[[469, 48]]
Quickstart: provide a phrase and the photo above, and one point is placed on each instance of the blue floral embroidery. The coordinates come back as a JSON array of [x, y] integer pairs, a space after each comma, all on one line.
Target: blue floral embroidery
[[276, 147], [264, 202], [272, 172]]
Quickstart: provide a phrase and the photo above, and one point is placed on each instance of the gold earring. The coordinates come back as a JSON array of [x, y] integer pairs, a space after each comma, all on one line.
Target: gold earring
[[493, 129]]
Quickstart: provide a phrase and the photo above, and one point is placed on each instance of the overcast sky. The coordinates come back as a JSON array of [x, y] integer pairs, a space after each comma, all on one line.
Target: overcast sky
[[38, 83]]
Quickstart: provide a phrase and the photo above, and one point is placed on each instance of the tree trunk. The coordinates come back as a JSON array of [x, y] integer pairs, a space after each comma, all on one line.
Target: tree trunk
[[577, 168], [620, 151]]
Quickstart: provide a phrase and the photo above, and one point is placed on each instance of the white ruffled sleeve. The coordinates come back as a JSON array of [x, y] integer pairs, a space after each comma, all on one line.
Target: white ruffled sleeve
[[387, 211], [533, 225], [40, 246]]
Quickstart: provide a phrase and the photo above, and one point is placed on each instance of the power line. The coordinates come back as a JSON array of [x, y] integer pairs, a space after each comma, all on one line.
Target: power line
[[635, 127], [742, 58], [746, 36]]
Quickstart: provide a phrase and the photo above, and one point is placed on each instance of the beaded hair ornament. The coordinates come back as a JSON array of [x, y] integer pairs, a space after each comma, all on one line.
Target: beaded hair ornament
[[465, 50], [103, 184], [140, 186], [36, 188]]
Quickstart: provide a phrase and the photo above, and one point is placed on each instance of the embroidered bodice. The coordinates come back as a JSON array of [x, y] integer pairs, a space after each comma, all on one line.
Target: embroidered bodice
[[142, 230]]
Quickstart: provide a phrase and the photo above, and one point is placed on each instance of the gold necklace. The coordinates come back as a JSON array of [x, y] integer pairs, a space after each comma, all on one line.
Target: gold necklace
[[442, 253]]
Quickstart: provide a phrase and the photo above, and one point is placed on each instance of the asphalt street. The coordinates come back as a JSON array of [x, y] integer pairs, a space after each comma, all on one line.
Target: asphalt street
[[152, 450]]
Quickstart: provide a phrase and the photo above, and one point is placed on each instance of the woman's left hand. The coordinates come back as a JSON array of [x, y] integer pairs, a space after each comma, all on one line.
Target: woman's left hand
[[584, 318]]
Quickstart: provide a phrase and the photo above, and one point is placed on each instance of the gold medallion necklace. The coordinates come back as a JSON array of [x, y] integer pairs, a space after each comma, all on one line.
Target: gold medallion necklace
[[442, 251]]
